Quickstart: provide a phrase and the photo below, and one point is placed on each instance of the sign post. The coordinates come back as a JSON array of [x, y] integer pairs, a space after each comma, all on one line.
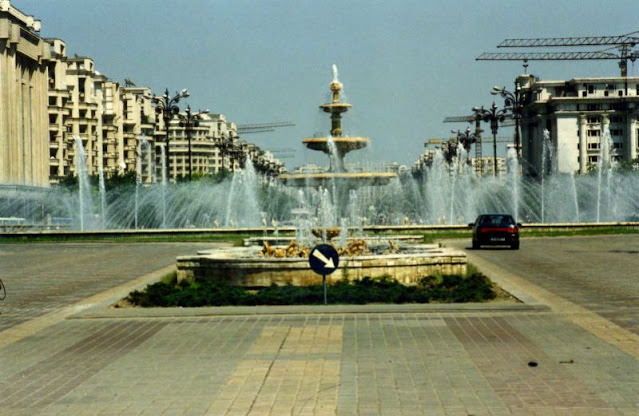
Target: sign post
[[324, 260]]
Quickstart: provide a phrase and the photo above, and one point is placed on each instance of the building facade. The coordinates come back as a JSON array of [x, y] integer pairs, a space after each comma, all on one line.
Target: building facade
[[578, 115], [24, 55], [52, 103]]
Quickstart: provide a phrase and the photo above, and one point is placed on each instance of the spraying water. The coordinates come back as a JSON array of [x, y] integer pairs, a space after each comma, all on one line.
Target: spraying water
[[85, 201], [165, 181], [603, 165], [513, 174], [103, 205]]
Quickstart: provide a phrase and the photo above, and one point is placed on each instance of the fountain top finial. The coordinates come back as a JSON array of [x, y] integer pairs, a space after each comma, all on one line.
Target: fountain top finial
[[335, 86]]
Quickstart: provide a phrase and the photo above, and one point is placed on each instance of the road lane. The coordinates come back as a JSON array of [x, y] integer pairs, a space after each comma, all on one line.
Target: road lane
[[598, 273]]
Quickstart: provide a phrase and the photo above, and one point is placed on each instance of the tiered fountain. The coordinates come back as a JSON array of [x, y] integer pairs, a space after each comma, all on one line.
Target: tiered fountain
[[256, 266], [336, 186], [336, 146]]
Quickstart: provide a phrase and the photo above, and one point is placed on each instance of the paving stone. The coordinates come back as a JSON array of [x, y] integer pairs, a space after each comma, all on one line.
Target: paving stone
[[374, 360]]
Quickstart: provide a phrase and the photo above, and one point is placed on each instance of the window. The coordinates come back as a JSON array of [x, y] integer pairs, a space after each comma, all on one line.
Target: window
[[618, 106], [594, 119], [616, 132], [594, 133], [593, 146]]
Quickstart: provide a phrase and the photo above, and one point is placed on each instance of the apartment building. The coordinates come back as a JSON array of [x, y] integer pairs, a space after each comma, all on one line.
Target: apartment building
[[481, 166], [120, 130], [51, 104], [578, 114], [212, 141], [24, 122]]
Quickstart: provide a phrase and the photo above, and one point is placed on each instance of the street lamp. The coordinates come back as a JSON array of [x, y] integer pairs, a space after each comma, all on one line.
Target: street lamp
[[467, 138], [189, 122], [494, 116], [512, 101], [167, 106]]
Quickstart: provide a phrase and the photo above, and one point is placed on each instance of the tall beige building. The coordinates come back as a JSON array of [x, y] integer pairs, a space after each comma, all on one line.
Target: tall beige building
[[24, 149], [75, 113]]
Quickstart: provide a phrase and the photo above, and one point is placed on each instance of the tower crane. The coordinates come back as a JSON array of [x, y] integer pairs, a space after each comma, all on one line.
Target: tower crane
[[262, 127], [623, 44], [282, 153]]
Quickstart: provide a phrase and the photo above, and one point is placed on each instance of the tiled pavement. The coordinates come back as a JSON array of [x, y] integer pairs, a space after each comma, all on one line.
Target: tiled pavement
[[498, 359]]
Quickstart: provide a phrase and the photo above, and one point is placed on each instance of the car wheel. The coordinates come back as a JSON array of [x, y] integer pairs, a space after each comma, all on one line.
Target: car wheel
[[475, 245], [515, 246]]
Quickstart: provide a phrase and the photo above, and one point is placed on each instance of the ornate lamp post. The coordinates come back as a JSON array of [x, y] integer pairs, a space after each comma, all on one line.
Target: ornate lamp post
[[512, 101], [189, 121], [224, 144], [466, 138], [167, 106], [495, 116]]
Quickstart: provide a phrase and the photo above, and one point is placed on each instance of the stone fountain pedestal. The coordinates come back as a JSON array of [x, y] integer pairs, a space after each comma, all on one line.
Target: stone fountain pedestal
[[244, 266]]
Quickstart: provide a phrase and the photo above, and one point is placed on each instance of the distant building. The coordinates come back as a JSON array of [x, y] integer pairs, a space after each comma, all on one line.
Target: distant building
[[576, 114], [481, 166]]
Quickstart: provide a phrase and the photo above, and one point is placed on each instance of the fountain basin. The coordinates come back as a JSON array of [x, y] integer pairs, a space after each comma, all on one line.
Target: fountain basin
[[354, 179], [242, 266], [342, 144]]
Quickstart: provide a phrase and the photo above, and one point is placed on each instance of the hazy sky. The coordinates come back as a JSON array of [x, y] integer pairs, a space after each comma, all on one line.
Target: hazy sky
[[405, 65]]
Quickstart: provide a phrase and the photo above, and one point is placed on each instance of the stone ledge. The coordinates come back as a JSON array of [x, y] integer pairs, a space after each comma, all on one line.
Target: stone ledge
[[243, 267]]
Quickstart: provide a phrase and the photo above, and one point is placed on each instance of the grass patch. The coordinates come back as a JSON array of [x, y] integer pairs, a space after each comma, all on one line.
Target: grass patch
[[473, 287], [433, 236], [429, 236], [582, 231], [114, 237]]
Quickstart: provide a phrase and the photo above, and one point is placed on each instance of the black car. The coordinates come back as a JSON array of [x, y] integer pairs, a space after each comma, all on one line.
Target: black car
[[495, 230]]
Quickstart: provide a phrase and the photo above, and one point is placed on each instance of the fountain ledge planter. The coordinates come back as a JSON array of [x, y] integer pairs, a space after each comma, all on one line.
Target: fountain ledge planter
[[243, 267]]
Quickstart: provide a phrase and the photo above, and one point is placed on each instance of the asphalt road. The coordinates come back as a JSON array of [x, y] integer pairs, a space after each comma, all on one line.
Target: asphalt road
[[599, 273]]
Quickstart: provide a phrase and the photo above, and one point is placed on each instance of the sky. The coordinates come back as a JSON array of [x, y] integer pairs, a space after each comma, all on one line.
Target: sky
[[405, 64]]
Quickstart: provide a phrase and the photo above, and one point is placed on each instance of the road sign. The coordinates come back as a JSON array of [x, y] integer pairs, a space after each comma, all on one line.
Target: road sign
[[323, 259]]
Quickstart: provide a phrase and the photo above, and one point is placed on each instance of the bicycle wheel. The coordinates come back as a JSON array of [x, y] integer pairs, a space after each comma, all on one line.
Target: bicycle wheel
[[3, 291]]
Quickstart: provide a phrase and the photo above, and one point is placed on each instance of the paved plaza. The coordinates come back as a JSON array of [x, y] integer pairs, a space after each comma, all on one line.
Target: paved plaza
[[65, 351]]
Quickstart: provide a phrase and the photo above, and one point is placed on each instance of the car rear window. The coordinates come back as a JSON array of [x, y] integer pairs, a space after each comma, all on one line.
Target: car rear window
[[497, 220]]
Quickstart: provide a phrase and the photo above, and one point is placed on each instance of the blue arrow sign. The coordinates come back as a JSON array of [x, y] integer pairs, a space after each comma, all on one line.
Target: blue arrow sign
[[323, 259]]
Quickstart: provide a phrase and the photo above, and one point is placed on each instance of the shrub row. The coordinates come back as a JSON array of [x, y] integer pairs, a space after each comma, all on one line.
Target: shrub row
[[449, 288]]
